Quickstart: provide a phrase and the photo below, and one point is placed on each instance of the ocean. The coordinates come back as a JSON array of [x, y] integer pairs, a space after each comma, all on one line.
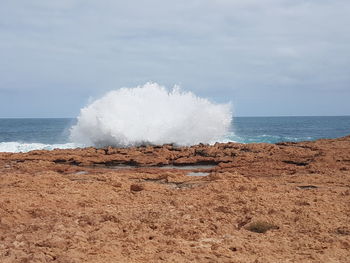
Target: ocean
[[23, 135]]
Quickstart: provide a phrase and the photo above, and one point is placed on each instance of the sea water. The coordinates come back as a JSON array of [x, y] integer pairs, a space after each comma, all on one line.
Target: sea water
[[293, 129], [22, 135], [152, 114]]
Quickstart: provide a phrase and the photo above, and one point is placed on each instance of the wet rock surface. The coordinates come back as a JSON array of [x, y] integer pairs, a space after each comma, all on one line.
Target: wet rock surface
[[285, 202]]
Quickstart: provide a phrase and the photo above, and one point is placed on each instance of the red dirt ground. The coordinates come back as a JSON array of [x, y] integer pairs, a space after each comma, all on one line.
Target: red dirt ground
[[82, 205]]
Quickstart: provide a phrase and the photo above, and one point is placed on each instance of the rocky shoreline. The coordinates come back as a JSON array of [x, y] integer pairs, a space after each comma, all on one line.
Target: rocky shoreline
[[285, 202]]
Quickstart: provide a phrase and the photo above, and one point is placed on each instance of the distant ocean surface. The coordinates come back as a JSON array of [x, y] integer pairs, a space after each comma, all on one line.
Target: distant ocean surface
[[22, 135]]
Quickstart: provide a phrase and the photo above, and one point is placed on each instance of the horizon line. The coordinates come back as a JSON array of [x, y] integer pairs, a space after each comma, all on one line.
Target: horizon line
[[240, 116]]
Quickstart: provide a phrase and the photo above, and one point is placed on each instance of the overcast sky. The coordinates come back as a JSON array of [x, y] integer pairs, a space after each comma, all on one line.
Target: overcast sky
[[268, 57]]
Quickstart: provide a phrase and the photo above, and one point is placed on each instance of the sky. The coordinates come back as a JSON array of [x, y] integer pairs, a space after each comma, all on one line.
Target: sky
[[267, 57]]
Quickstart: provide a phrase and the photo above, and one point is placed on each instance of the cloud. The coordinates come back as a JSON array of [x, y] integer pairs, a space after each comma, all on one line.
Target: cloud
[[235, 46]]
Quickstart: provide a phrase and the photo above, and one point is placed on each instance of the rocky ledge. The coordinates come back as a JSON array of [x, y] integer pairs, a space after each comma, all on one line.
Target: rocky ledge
[[229, 202]]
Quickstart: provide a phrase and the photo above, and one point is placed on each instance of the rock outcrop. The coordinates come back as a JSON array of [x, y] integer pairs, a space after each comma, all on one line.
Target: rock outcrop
[[285, 202]]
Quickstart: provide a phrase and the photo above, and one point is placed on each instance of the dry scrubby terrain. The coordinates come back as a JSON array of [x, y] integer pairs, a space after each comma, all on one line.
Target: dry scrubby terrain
[[288, 202]]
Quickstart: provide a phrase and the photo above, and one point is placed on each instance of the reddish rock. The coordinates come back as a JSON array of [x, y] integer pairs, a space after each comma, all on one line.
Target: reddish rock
[[136, 187], [78, 205]]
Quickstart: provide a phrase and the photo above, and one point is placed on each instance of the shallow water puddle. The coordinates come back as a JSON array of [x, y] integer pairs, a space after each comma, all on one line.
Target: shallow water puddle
[[191, 170], [177, 167], [197, 174], [81, 172], [188, 167], [307, 187]]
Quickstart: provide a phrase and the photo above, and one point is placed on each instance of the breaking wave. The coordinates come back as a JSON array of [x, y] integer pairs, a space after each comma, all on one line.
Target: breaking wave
[[16, 147], [151, 114]]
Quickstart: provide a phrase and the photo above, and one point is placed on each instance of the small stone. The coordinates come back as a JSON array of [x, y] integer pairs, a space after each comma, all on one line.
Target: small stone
[[136, 187]]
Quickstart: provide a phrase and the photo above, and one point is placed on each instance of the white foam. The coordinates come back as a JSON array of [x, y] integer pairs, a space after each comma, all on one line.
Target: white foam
[[151, 114], [15, 147]]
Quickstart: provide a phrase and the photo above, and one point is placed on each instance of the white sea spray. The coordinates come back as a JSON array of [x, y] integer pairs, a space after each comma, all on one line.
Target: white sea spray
[[26, 147], [150, 114]]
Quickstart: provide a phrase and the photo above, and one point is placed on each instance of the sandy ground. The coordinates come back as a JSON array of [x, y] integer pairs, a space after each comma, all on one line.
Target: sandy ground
[[288, 202]]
